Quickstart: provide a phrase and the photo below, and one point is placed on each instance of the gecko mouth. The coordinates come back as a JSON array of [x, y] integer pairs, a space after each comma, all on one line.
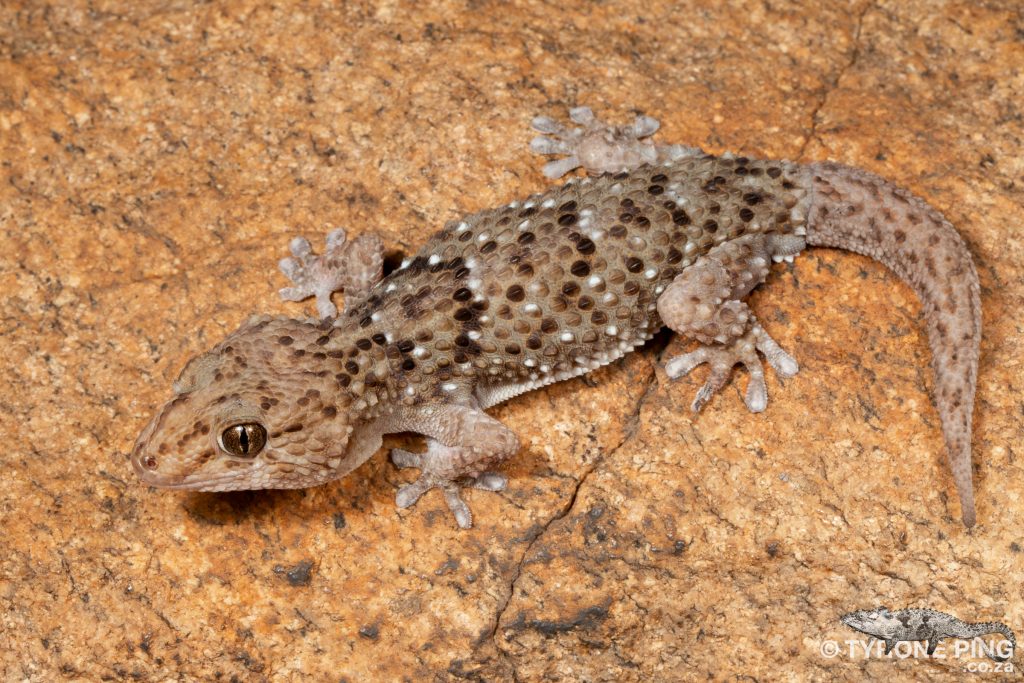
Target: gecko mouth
[[221, 481]]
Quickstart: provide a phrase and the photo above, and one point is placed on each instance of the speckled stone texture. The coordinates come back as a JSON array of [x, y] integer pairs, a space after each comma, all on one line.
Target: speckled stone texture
[[155, 159]]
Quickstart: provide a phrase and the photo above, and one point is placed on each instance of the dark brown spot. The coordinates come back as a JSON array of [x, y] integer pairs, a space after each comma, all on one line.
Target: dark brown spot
[[463, 315], [655, 189], [774, 172], [580, 269], [585, 303], [364, 344], [746, 215], [674, 256], [680, 217], [585, 246], [634, 265], [899, 236], [526, 238], [512, 349], [515, 293], [408, 364], [599, 317], [533, 342], [710, 226], [548, 325], [462, 294], [570, 289], [488, 247], [567, 219], [285, 340]]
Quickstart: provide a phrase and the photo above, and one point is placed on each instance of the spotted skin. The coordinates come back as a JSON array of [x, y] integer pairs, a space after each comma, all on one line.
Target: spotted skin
[[536, 291], [928, 625]]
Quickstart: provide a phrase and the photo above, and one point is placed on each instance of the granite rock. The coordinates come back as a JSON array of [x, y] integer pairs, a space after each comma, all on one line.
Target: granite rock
[[155, 158]]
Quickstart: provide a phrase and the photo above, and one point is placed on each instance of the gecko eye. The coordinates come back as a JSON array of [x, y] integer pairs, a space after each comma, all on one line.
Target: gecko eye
[[244, 440]]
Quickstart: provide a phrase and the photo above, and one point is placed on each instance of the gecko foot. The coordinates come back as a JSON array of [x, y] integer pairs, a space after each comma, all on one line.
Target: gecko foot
[[353, 267], [742, 350], [449, 485], [596, 146]]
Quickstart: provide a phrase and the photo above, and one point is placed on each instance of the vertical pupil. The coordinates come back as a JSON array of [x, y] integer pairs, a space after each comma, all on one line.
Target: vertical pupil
[[243, 439]]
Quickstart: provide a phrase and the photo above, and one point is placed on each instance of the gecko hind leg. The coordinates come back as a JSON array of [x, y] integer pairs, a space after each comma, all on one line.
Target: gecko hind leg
[[462, 443], [598, 147], [704, 302], [352, 267]]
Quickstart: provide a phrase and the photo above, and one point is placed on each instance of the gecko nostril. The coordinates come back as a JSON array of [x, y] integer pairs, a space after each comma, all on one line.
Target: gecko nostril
[[149, 462]]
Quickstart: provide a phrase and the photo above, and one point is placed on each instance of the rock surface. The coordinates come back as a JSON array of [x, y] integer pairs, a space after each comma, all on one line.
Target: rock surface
[[155, 158]]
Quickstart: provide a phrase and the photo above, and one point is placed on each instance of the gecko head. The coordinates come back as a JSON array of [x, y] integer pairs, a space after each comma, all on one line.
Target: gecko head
[[867, 620], [249, 414]]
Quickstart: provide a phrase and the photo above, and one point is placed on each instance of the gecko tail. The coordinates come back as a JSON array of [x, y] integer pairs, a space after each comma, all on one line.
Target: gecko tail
[[859, 211]]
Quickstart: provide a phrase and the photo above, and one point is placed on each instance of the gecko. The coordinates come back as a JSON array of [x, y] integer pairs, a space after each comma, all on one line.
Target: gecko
[[931, 626], [543, 289]]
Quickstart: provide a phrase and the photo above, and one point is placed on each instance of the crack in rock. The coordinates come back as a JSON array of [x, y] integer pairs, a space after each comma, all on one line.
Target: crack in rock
[[834, 84], [632, 424]]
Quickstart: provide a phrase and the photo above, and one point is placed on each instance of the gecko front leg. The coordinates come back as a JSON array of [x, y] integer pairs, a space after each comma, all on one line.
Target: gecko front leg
[[705, 303], [350, 267], [598, 147], [462, 443]]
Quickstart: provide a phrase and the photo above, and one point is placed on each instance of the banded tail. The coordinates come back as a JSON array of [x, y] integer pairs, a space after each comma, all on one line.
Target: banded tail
[[858, 211]]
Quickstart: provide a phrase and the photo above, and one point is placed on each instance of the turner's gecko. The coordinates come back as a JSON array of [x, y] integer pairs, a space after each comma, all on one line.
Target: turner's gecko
[[539, 290]]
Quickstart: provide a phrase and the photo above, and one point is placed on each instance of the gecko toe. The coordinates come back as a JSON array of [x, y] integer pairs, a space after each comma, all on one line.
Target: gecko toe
[[463, 516], [410, 493], [723, 357], [349, 266], [404, 459], [490, 481], [595, 146], [450, 486]]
